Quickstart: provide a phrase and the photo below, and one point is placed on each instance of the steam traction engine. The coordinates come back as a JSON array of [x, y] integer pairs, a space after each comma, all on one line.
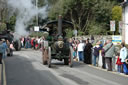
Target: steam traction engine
[[57, 47]]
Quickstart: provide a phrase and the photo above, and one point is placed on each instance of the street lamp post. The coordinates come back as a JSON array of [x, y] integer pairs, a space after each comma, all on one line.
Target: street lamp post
[[37, 12]]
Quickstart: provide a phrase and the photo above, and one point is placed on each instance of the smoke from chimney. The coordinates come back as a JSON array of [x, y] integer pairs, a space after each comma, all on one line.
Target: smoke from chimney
[[26, 11]]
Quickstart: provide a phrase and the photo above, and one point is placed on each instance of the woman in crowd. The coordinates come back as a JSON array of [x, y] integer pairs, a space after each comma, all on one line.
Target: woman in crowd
[[96, 49], [88, 52], [81, 46], [74, 49]]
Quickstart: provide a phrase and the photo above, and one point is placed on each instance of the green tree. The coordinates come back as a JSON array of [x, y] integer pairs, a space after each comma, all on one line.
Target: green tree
[[3, 10], [41, 3], [12, 22], [69, 33], [2, 26], [85, 15], [117, 16]]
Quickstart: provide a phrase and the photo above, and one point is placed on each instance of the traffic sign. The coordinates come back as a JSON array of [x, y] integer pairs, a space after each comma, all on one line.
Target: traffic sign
[[75, 32], [36, 28], [116, 39], [112, 25]]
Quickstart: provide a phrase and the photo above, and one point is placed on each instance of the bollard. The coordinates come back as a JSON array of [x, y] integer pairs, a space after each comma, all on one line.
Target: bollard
[[100, 59]]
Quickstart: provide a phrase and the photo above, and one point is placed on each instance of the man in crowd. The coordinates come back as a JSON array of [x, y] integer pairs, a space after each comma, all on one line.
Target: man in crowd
[[1, 51], [109, 52], [5, 48]]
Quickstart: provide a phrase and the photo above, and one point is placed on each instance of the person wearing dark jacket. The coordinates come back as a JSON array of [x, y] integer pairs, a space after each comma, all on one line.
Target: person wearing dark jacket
[[96, 49], [88, 52]]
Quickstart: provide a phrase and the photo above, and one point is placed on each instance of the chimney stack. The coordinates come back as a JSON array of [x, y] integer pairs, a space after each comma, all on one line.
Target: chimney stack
[[60, 25]]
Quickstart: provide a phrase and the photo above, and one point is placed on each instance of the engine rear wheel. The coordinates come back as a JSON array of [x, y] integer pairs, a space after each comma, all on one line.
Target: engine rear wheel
[[49, 57]]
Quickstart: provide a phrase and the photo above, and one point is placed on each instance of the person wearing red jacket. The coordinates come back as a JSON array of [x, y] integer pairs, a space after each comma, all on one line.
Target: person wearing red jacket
[[32, 42], [119, 63]]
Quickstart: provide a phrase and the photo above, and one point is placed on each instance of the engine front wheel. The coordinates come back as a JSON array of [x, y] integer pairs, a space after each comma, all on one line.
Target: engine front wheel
[[44, 57]]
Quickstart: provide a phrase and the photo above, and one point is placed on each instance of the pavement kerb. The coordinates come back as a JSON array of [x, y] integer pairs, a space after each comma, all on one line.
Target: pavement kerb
[[99, 68], [114, 72]]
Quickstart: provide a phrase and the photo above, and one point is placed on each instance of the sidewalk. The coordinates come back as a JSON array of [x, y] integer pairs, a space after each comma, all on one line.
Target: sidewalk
[[100, 68], [114, 72]]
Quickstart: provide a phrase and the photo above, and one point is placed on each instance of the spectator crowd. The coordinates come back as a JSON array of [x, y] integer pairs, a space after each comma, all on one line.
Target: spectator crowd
[[101, 53], [90, 51]]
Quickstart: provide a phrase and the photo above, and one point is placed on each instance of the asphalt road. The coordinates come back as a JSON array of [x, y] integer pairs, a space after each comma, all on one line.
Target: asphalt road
[[26, 68]]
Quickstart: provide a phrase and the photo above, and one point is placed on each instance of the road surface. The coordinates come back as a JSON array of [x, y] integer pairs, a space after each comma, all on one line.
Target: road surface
[[26, 68]]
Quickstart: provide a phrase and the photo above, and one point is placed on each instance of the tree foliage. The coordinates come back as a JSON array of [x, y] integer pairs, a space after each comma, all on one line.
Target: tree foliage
[[11, 23], [2, 26], [88, 16], [117, 16], [3, 10], [117, 13]]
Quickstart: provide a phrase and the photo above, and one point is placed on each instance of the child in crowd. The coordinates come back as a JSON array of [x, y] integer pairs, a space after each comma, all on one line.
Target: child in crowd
[[118, 63]]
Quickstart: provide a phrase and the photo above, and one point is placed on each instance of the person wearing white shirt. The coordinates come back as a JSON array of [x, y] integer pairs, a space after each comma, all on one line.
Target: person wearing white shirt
[[81, 51], [123, 55]]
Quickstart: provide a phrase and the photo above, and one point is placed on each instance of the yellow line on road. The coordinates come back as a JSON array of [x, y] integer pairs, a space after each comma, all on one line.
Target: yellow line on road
[[4, 74]]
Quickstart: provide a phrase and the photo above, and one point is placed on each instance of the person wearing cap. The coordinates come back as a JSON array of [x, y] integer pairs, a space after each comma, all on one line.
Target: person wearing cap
[[5, 47], [109, 53]]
